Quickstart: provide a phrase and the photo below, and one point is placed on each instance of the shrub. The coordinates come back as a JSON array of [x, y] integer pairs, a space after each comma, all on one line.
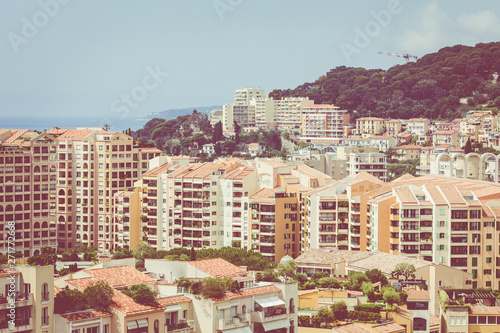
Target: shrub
[[375, 308], [319, 275], [141, 294]]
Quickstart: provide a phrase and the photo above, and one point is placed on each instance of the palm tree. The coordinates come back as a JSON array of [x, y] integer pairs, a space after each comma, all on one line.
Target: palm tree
[[106, 127]]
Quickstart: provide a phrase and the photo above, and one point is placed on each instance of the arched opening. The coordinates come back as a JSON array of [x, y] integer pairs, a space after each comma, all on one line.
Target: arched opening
[[61, 192], [9, 208], [36, 169], [85, 237], [45, 225], [36, 253], [45, 292], [36, 225], [419, 324], [61, 219], [19, 208]]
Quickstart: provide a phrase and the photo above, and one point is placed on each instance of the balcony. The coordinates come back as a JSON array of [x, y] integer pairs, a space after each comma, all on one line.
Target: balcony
[[241, 320], [187, 327], [21, 325], [274, 314], [21, 300]]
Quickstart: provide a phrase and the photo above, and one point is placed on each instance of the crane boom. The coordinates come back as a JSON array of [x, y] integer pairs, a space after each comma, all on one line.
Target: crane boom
[[406, 56]]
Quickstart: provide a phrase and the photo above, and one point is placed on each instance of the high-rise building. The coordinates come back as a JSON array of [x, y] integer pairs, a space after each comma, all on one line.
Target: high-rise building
[[28, 189], [323, 122]]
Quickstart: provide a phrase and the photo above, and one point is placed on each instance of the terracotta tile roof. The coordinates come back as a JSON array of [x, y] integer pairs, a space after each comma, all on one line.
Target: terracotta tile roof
[[418, 294], [57, 290], [120, 276], [389, 328], [82, 283], [173, 300], [305, 292], [82, 315], [386, 262], [249, 292], [74, 135], [57, 131], [329, 257], [444, 132], [156, 171], [218, 267], [363, 175], [8, 272], [149, 150], [417, 119], [370, 118], [350, 328], [126, 304]]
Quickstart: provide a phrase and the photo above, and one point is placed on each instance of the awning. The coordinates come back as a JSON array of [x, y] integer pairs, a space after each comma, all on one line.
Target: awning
[[142, 323], [270, 301], [173, 308], [131, 325], [245, 329], [274, 325]]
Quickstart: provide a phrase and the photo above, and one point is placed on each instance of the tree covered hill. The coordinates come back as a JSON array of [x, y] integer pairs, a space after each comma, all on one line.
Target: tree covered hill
[[430, 87]]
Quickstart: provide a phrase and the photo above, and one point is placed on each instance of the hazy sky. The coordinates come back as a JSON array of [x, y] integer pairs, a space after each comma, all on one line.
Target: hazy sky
[[110, 58]]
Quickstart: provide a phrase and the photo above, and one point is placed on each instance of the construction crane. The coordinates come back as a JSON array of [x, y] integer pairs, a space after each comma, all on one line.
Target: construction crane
[[402, 55]]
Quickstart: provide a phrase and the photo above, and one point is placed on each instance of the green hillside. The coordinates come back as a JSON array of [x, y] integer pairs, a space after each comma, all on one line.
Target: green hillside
[[430, 87]]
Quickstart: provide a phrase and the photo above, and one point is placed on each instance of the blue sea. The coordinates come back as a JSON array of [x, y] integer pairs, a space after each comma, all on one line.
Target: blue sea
[[46, 123]]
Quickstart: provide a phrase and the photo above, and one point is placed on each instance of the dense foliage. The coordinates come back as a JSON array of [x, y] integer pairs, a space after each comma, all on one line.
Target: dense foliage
[[141, 294], [96, 296], [430, 87]]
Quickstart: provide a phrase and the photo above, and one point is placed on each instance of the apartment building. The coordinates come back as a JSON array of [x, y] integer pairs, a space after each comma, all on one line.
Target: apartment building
[[216, 116], [103, 162], [127, 223], [370, 126], [469, 311], [417, 126], [203, 201], [33, 300], [394, 127], [334, 216], [242, 110], [373, 163], [287, 111], [275, 223], [323, 122], [446, 138], [28, 192], [256, 307], [172, 312], [407, 152]]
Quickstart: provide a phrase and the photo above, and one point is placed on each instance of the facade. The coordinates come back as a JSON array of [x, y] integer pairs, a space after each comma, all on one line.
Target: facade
[[256, 307], [127, 221], [242, 110], [446, 138], [394, 127], [373, 163], [407, 152], [370, 126], [418, 126], [323, 122], [33, 300], [468, 311]]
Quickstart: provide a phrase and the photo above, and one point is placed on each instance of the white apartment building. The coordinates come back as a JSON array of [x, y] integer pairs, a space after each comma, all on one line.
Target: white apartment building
[[417, 126], [373, 163], [242, 110], [323, 122]]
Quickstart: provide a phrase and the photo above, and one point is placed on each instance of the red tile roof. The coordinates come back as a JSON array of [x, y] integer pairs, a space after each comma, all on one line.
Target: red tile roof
[[173, 300], [418, 294], [218, 267], [249, 292], [120, 276], [85, 315]]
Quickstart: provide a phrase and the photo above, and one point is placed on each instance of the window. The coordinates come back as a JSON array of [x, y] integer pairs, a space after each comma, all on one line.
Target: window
[[489, 236], [45, 292], [441, 235], [106, 328], [487, 272], [45, 316], [94, 329], [474, 262], [156, 326], [184, 314], [442, 223], [488, 260], [441, 247]]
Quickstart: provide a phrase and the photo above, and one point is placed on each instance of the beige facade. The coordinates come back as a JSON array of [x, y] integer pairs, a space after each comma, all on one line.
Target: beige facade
[[323, 122], [32, 291], [370, 126]]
